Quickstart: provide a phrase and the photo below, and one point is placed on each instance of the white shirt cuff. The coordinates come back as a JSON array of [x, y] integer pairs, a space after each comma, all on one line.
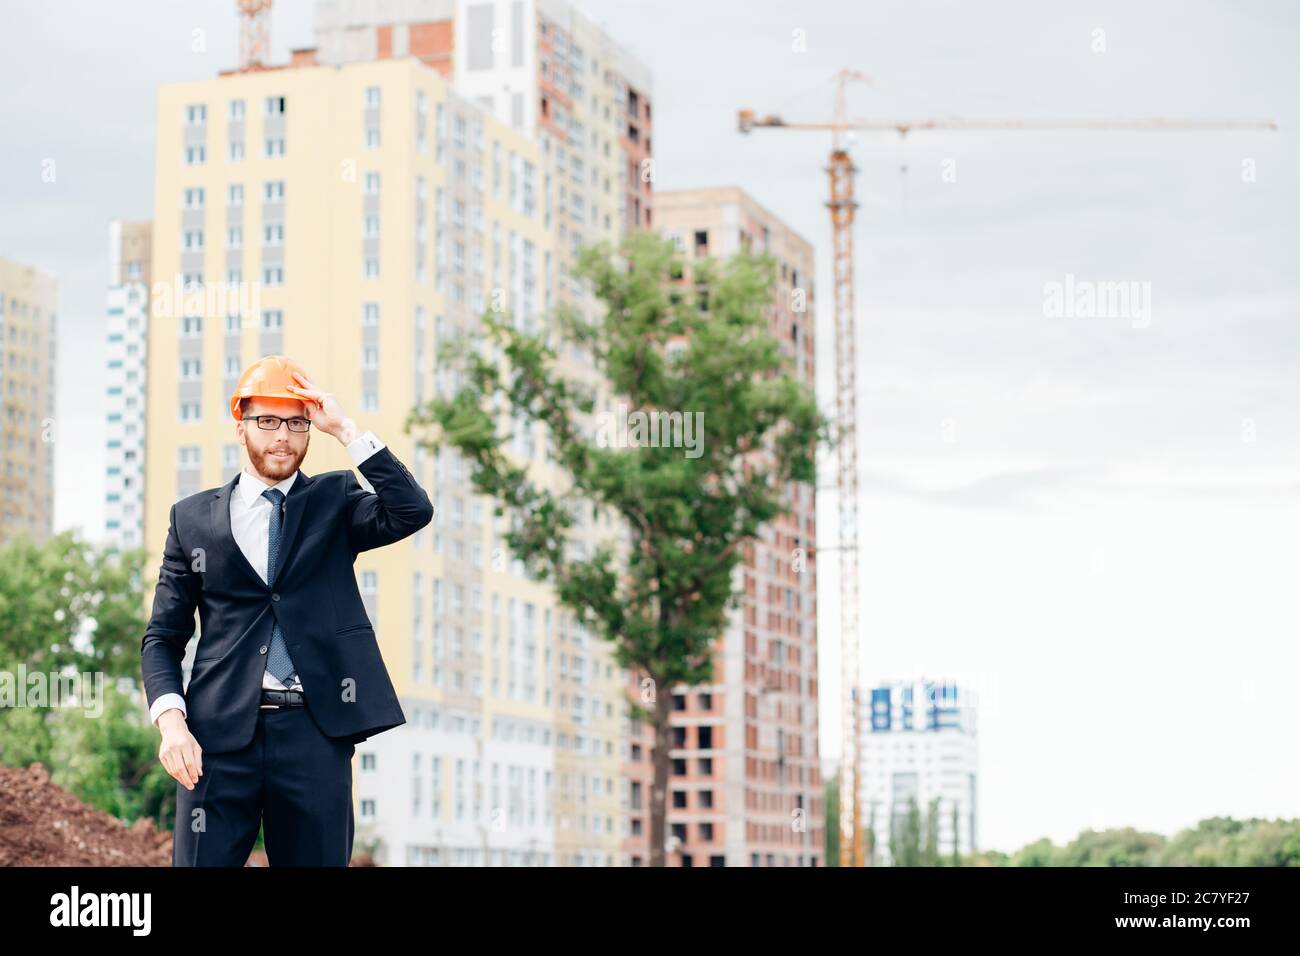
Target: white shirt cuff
[[363, 446], [165, 702]]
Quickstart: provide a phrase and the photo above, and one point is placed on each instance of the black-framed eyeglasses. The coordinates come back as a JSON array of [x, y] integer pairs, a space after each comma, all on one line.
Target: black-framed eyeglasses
[[271, 423]]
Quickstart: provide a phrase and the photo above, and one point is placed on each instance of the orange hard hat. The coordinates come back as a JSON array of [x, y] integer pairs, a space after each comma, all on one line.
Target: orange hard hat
[[266, 378]]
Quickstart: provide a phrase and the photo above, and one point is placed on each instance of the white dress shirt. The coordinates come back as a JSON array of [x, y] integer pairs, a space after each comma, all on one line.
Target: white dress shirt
[[250, 523]]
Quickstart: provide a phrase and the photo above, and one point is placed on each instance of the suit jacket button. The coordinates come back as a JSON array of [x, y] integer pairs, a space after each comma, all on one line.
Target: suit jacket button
[[262, 649], [275, 597]]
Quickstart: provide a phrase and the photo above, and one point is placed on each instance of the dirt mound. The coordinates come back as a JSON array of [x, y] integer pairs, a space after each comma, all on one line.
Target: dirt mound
[[41, 824]]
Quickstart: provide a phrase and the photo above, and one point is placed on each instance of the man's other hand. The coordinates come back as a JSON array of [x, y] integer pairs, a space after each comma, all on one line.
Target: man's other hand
[[180, 753]]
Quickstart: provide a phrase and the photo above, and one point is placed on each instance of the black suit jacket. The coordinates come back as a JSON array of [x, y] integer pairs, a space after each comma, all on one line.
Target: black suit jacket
[[328, 520]]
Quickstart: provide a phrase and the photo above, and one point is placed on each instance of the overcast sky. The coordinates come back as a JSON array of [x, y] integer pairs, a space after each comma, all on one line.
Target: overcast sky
[[1091, 520]]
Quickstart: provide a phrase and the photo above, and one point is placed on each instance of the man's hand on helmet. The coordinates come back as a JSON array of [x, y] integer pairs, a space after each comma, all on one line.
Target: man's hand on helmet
[[324, 410]]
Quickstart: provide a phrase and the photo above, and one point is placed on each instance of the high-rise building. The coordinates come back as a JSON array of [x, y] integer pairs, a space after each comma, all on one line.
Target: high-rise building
[[358, 217], [746, 784], [543, 69], [540, 67], [129, 263], [920, 752], [28, 320]]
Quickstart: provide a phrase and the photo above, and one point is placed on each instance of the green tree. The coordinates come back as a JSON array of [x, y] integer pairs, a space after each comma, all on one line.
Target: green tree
[[930, 852], [869, 838], [1290, 851], [1040, 853], [111, 761], [956, 836], [1123, 847], [67, 608], [662, 599], [905, 837], [1215, 841]]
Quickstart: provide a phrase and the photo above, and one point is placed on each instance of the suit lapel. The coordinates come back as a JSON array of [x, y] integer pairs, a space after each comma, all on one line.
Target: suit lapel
[[294, 504], [224, 536]]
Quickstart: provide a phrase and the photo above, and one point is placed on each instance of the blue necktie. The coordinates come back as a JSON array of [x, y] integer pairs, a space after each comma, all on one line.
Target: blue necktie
[[278, 661]]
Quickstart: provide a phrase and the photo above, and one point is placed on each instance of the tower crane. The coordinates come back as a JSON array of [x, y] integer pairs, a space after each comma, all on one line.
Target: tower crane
[[842, 206], [254, 33]]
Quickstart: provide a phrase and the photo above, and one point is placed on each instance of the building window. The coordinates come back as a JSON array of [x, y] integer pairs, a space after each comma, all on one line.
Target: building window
[[370, 313], [194, 198], [272, 320], [275, 106], [237, 151], [194, 155], [196, 114], [236, 110], [273, 275], [273, 234], [372, 138], [273, 190], [480, 32], [372, 184], [274, 146], [372, 97], [235, 194]]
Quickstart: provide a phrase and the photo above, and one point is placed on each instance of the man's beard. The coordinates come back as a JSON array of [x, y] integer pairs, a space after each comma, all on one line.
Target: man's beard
[[276, 467]]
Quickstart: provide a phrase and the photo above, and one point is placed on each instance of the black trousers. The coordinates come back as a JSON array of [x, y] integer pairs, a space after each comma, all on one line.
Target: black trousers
[[291, 778]]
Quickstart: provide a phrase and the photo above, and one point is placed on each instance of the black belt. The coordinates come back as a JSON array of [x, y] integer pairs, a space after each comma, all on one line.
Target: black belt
[[281, 698]]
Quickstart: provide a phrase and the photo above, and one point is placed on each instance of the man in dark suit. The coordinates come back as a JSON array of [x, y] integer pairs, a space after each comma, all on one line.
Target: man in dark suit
[[287, 676]]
